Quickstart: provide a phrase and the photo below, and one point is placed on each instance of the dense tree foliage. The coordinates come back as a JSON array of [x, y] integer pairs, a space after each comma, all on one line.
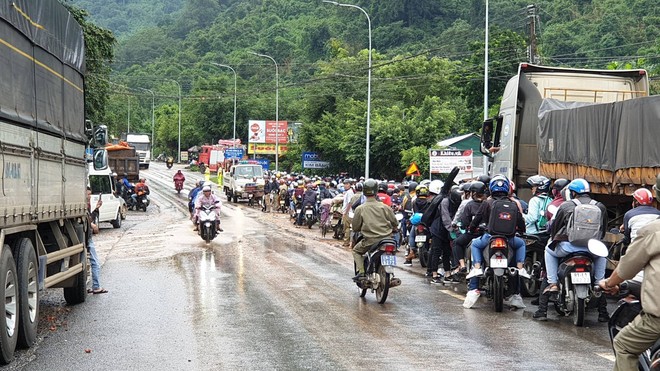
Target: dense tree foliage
[[427, 76]]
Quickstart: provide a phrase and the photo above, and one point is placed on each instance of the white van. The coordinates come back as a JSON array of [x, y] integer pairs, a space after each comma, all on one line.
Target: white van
[[114, 208]]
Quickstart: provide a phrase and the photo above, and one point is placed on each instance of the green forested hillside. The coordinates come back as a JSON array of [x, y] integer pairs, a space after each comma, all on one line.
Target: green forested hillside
[[427, 81]]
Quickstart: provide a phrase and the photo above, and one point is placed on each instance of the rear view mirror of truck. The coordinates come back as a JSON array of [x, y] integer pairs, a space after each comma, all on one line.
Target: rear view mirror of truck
[[100, 159], [490, 136], [101, 136]]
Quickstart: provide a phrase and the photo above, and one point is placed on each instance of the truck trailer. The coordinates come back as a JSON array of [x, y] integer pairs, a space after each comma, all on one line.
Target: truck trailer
[[574, 123], [43, 206]]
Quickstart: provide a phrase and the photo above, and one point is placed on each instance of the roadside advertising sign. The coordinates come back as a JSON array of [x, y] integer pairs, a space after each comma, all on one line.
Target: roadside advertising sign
[[184, 156], [442, 161], [311, 160], [264, 162], [262, 131], [266, 149]]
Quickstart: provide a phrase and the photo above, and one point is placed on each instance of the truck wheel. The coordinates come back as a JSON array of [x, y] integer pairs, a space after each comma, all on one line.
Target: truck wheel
[[9, 306], [27, 268], [117, 222], [77, 293], [235, 199]]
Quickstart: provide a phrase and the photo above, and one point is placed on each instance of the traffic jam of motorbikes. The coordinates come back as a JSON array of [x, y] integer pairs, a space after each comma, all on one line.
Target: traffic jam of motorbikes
[[558, 247]]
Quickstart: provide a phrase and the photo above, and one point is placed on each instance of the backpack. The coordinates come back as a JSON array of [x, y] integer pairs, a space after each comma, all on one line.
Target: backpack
[[431, 210], [542, 222], [503, 218], [584, 223]]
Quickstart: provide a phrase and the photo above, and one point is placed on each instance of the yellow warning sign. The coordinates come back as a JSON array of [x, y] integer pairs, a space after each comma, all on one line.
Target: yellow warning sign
[[413, 170]]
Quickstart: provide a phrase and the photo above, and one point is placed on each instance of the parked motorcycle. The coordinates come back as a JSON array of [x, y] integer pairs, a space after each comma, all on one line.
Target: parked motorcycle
[[534, 263], [423, 242], [207, 223], [379, 263], [575, 278], [178, 185], [499, 280], [627, 309]]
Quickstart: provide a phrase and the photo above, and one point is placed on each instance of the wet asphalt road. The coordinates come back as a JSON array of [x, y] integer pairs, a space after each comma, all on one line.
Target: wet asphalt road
[[267, 296]]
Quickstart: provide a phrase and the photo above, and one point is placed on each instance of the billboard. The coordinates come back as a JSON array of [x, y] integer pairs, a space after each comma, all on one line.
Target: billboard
[[266, 149], [311, 160], [261, 131], [441, 161]]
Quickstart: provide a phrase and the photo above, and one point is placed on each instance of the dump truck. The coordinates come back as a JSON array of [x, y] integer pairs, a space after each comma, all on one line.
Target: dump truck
[[576, 123], [43, 206], [123, 159]]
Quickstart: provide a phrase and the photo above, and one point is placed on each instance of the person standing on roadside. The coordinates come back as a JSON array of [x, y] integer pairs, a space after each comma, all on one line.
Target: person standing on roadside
[[92, 216], [345, 209]]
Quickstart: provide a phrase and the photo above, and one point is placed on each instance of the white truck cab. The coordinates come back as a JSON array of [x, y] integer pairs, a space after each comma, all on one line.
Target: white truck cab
[[244, 180], [113, 209], [142, 145]]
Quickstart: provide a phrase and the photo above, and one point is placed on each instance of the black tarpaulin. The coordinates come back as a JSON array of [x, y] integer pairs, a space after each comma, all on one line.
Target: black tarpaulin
[[610, 136], [41, 65]]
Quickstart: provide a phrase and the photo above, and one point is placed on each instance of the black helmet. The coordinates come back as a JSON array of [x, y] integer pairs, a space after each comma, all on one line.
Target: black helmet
[[485, 179], [370, 187], [389, 191], [455, 195], [382, 187], [560, 183], [478, 187], [412, 186], [465, 187], [358, 186]]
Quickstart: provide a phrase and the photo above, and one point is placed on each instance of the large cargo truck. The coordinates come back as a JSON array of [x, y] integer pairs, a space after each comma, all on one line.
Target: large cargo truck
[[142, 145], [124, 159], [43, 206], [570, 123]]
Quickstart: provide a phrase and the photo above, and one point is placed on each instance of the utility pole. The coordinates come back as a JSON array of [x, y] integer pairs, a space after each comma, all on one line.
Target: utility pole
[[532, 49]]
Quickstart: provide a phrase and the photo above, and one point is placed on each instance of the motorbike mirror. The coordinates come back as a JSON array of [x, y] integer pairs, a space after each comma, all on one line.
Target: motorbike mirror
[[597, 248]]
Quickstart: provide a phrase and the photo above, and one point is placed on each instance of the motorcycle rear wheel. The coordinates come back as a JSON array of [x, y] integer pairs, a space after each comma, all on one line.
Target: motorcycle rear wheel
[[361, 291], [498, 293], [383, 286], [579, 307], [424, 256], [529, 286]]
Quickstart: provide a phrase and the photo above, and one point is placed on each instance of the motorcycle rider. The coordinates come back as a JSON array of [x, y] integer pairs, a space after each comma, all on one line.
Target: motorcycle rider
[[375, 221], [207, 198], [309, 199], [499, 187], [559, 247], [382, 194], [644, 330], [179, 177], [557, 199], [141, 189], [535, 218], [478, 191], [273, 191], [419, 205], [640, 215], [191, 197]]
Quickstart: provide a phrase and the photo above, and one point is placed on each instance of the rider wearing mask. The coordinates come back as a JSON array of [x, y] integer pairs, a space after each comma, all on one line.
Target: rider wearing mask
[[560, 247], [478, 191], [535, 219], [207, 199], [644, 330], [499, 189], [375, 221], [640, 215]]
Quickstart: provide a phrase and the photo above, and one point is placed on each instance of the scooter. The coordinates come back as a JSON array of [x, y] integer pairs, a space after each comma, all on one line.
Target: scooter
[[178, 185], [310, 218], [207, 223], [575, 278], [534, 263], [169, 163], [379, 263], [499, 280], [142, 201], [627, 309], [422, 241]]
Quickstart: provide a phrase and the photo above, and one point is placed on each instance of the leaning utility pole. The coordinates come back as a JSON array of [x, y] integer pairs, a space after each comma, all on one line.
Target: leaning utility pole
[[532, 20]]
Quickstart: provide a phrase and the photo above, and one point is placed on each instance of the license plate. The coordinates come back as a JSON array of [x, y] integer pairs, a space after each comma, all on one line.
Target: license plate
[[498, 262], [309, 212], [580, 277], [388, 259], [421, 238]]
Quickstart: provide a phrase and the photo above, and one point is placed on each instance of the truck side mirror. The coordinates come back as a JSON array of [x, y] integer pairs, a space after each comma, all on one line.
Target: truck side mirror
[[101, 136], [100, 159], [490, 136]]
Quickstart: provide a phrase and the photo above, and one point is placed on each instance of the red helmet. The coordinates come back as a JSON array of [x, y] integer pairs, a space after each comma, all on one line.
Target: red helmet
[[643, 196]]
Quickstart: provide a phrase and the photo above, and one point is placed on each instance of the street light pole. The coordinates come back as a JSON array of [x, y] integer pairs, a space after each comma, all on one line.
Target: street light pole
[[234, 71], [277, 109], [178, 156], [366, 161], [153, 121]]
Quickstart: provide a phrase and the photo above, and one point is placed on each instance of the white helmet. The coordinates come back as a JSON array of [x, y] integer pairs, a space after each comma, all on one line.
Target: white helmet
[[435, 186]]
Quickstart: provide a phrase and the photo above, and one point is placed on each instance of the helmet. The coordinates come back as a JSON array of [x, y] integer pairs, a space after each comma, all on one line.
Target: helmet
[[484, 178], [435, 186], [207, 188], [422, 190], [541, 183], [333, 184], [382, 187], [478, 187], [455, 195], [359, 186], [579, 186], [412, 186], [401, 187], [370, 187], [559, 184], [643, 196], [425, 182], [499, 183], [416, 218], [465, 187], [389, 191]]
